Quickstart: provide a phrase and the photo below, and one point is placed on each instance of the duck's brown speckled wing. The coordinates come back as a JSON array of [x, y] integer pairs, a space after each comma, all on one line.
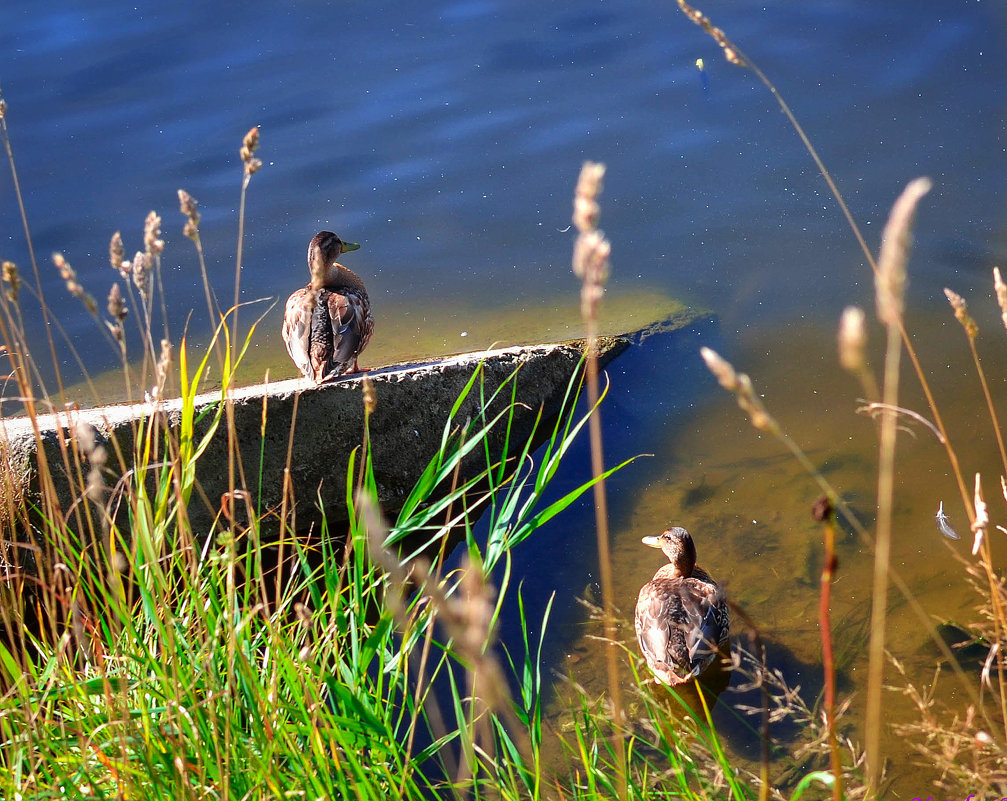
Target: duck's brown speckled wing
[[297, 328], [680, 622], [351, 324]]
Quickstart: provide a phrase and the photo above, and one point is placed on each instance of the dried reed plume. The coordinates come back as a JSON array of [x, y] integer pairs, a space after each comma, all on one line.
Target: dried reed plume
[[141, 268], [591, 250], [154, 245], [161, 371], [117, 255], [152, 241], [896, 242], [96, 455], [730, 51], [118, 312], [187, 205], [12, 279], [962, 315], [982, 520], [853, 349], [248, 147], [1001, 292], [369, 395], [69, 275]]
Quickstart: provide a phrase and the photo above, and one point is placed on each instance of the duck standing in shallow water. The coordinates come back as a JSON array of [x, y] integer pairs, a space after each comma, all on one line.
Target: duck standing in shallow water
[[327, 324], [681, 613]]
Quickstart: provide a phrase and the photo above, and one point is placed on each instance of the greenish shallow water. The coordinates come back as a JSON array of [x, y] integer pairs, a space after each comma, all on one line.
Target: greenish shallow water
[[748, 504]]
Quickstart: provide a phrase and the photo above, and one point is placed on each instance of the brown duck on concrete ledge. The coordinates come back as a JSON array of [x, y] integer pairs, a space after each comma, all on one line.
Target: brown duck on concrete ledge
[[682, 618], [327, 324]]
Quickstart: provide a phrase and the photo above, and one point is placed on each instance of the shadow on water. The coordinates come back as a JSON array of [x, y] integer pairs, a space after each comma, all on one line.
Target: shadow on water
[[738, 715]]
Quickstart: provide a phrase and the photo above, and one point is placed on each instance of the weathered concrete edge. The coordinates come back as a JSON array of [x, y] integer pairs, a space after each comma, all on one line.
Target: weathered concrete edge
[[19, 432], [413, 404]]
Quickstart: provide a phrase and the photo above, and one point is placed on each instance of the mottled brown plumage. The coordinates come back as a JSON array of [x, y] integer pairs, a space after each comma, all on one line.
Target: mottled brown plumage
[[327, 324], [681, 614]]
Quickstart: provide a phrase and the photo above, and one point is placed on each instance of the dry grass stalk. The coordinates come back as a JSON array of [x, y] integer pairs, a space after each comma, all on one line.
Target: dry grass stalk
[[590, 264], [853, 340], [972, 332], [97, 457], [890, 283], [890, 310], [26, 389], [141, 268], [161, 371], [959, 748], [154, 245], [979, 517], [248, 147], [982, 520], [116, 307], [591, 250], [187, 204], [741, 385], [878, 409], [722, 39], [400, 579]]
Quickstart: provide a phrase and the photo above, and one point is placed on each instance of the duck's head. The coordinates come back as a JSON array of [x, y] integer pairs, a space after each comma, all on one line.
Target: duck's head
[[678, 546], [323, 250]]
